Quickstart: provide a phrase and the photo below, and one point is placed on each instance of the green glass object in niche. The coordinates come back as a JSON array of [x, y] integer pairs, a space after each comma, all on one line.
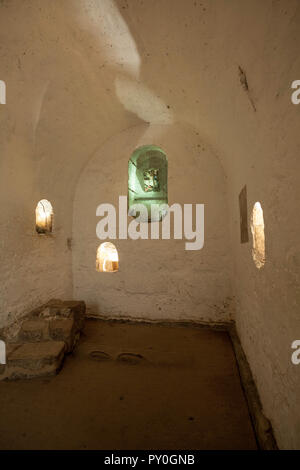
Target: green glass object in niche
[[148, 181]]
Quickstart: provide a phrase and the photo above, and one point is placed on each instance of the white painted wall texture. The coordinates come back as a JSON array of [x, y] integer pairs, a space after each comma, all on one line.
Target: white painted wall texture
[[158, 279], [78, 74]]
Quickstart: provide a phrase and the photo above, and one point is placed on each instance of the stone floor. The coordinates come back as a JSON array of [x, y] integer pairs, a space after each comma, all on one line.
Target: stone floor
[[133, 386]]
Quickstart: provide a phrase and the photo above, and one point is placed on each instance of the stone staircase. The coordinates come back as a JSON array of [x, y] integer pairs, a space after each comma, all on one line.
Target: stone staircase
[[38, 345]]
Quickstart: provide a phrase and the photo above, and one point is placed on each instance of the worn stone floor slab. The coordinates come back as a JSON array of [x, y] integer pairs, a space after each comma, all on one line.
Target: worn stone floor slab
[[133, 386]]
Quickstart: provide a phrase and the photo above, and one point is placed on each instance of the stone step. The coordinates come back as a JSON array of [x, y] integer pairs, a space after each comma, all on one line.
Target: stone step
[[64, 329], [34, 330], [58, 329], [36, 359], [65, 309], [37, 347]]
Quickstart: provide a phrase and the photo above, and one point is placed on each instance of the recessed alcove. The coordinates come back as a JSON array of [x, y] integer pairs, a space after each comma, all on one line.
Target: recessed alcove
[[107, 260], [148, 183], [153, 268], [44, 217], [258, 235]]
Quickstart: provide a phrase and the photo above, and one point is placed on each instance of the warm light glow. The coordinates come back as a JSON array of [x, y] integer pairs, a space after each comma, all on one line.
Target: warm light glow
[[109, 29], [258, 235], [44, 216], [107, 260], [137, 98]]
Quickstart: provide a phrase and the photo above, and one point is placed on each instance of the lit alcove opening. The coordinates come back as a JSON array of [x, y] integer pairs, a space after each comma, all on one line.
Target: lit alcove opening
[[258, 235], [148, 182], [107, 260], [44, 217]]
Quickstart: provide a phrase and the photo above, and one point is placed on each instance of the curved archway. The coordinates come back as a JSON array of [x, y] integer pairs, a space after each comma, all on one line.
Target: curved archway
[[44, 216], [148, 183], [107, 260], [258, 235], [143, 258]]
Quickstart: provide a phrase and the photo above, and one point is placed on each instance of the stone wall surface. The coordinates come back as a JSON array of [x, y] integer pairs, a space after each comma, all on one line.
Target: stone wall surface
[[78, 73], [157, 279]]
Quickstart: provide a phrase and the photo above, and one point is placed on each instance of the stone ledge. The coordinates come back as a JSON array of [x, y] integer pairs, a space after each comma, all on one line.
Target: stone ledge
[[36, 359], [64, 329], [34, 330], [41, 339]]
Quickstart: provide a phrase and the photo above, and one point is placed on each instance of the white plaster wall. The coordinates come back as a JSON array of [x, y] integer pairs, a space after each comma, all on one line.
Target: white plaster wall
[[34, 267], [263, 150], [80, 71], [52, 89], [157, 279], [267, 300]]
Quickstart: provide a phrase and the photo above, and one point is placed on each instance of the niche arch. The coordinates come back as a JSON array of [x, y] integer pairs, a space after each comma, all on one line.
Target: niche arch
[[258, 235], [107, 259], [148, 183], [44, 216]]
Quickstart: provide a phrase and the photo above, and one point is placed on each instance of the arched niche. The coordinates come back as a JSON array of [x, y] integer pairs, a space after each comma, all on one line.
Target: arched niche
[[107, 260], [44, 217], [148, 182], [258, 235]]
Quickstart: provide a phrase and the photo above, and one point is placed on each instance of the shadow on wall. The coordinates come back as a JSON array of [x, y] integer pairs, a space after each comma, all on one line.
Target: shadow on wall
[[85, 61], [116, 42], [157, 280], [90, 85]]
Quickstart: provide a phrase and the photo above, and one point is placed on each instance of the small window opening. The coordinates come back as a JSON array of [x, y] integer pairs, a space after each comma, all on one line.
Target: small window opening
[[258, 236], [44, 217], [107, 260]]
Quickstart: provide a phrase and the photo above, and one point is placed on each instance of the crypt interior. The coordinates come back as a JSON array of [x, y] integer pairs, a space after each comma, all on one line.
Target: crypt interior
[[132, 343]]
